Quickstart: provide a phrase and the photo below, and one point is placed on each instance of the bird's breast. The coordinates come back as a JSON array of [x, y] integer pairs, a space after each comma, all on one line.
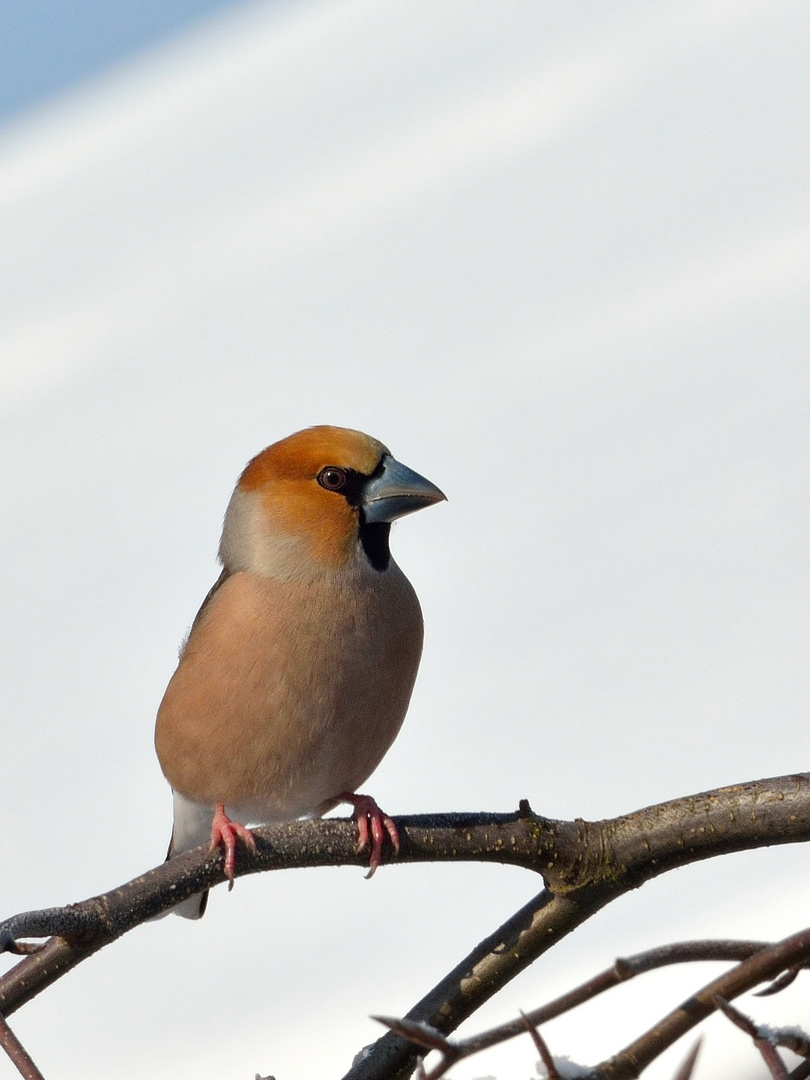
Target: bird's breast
[[289, 693]]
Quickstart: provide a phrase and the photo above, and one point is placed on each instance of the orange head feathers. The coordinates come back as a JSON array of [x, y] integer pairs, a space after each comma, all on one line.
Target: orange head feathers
[[303, 504]]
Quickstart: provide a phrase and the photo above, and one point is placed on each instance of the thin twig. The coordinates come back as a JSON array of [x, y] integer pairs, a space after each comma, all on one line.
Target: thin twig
[[542, 1048], [688, 1065], [780, 984], [776, 1067], [19, 1056], [609, 858], [622, 970], [789, 1038], [770, 1055], [740, 1020], [585, 865], [763, 965], [422, 1035]]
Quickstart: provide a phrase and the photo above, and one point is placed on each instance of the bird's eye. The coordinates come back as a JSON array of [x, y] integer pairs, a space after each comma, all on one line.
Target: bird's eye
[[332, 478]]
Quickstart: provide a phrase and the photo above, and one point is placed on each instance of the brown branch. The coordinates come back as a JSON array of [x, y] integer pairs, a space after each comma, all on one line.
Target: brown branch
[[776, 1067], [621, 970], [688, 1065], [542, 1048], [19, 1056], [780, 984], [422, 1035], [585, 866], [761, 967], [789, 1038], [79, 930]]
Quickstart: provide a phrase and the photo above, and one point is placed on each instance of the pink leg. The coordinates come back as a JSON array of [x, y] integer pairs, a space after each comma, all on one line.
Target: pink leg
[[224, 831], [373, 823]]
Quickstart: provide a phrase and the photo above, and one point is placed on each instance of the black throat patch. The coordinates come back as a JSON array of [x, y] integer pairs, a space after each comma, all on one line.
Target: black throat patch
[[374, 538]]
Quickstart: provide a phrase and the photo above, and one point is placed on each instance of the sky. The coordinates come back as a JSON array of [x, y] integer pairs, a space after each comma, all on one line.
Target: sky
[[556, 257], [48, 46]]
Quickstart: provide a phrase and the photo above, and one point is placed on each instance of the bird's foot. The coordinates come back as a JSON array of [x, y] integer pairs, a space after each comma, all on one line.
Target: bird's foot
[[372, 825], [224, 831]]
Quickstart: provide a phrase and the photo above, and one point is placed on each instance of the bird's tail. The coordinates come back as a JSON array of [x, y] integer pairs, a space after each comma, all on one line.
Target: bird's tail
[[192, 827]]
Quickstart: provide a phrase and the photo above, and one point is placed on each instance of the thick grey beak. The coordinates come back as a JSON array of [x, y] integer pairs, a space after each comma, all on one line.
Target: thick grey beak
[[397, 491]]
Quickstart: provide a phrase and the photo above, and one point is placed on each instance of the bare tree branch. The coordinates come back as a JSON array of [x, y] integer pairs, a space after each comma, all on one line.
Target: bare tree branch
[[19, 1056], [541, 1047], [774, 1063], [622, 970], [776, 1067], [688, 1064], [585, 865], [79, 930], [780, 984], [789, 1038], [422, 1035], [760, 967]]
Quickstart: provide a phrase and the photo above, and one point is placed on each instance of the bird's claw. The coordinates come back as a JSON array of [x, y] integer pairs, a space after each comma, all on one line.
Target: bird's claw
[[225, 832], [372, 828]]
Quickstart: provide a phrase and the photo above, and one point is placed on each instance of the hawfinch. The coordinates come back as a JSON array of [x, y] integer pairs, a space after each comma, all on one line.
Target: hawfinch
[[298, 669]]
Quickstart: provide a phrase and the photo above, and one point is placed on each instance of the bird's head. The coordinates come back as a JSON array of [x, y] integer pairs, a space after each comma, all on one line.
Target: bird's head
[[318, 501]]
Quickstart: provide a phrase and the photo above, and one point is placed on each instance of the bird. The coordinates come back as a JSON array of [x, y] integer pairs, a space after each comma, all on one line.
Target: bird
[[297, 672]]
